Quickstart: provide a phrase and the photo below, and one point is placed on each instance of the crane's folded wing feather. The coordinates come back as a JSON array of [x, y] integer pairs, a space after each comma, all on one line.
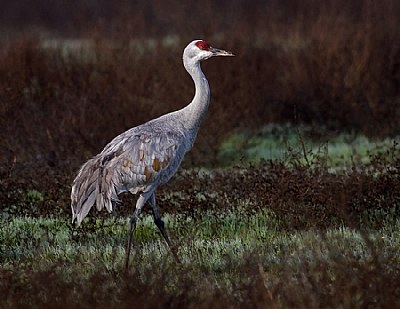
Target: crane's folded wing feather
[[131, 162]]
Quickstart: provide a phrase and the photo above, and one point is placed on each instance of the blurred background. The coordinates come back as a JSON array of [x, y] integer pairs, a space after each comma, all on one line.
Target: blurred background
[[74, 74]]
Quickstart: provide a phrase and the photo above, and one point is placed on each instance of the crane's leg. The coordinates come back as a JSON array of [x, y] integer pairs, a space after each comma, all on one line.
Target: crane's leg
[[161, 226], [139, 205]]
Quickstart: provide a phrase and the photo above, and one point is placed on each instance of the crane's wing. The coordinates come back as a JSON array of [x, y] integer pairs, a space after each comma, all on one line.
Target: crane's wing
[[145, 158], [131, 162]]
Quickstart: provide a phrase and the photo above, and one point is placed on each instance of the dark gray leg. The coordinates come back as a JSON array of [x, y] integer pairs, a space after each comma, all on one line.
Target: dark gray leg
[[139, 205], [161, 226]]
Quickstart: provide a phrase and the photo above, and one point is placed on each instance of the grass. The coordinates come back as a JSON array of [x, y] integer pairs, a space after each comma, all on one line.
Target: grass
[[219, 252], [287, 143], [46, 238]]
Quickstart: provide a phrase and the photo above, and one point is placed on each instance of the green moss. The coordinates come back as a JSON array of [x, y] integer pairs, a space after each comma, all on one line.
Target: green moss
[[288, 144]]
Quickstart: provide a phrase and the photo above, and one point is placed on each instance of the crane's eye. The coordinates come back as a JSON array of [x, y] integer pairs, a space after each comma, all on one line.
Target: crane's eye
[[203, 45]]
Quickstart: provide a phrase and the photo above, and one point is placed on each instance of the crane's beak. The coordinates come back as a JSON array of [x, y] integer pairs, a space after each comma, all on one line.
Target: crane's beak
[[220, 52]]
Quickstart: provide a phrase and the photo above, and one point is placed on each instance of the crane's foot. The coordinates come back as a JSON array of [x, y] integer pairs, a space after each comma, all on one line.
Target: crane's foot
[[129, 245], [161, 226]]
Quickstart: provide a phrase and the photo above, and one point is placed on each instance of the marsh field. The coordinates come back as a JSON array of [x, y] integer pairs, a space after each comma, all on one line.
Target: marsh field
[[290, 197]]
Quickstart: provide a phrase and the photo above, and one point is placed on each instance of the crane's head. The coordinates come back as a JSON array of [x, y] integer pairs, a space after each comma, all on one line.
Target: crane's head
[[199, 50]]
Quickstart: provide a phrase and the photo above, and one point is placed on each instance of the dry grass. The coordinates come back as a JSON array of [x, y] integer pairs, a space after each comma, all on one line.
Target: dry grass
[[301, 197], [334, 64], [310, 286]]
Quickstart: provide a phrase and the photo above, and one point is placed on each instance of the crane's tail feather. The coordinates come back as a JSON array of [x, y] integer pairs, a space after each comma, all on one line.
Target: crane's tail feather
[[94, 184]]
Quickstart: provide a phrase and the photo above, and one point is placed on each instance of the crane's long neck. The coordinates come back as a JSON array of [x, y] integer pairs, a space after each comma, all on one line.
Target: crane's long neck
[[196, 110]]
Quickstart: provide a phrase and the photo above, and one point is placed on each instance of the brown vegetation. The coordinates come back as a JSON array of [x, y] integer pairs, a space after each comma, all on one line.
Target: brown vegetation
[[314, 285], [301, 197], [334, 64]]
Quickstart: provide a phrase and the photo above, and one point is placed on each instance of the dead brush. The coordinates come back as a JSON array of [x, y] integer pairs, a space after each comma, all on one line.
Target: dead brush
[[331, 64]]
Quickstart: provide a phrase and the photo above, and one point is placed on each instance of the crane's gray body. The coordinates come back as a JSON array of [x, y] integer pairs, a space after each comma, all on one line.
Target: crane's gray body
[[138, 161]]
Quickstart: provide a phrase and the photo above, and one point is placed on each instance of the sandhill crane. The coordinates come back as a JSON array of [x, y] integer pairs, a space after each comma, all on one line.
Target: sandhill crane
[[144, 157]]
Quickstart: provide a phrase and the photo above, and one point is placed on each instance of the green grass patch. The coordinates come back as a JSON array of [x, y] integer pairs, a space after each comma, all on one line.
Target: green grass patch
[[287, 144], [232, 253], [46, 240]]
